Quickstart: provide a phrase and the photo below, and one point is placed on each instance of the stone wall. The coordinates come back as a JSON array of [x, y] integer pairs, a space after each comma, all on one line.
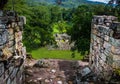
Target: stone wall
[[12, 51], [105, 45]]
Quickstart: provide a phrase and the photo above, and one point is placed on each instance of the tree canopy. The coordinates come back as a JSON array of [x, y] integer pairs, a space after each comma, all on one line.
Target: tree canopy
[[45, 20]]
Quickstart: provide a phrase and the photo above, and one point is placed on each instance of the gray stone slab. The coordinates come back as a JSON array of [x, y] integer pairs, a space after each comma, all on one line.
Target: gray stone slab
[[2, 81], [3, 37], [11, 68], [114, 42], [85, 71], [103, 57], [14, 81], [106, 37], [102, 35], [1, 69], [14, 73], [6, 74], [117, 42], [111, 33], [8, 81], [1, 53]]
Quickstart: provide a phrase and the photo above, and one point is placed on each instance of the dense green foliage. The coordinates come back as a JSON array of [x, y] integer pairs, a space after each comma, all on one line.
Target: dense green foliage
[[42, 22], [45, 20], [82, 24], [66, 3]]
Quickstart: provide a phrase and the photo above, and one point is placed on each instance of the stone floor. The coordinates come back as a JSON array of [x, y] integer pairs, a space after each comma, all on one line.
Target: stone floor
[[55, 71]]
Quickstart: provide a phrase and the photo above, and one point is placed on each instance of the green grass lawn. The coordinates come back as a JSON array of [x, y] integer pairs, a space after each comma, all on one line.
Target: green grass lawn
[[55, 54]]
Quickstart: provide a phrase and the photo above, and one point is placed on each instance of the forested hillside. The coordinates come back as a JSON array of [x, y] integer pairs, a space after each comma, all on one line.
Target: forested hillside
[[45, 20], [65, 3]]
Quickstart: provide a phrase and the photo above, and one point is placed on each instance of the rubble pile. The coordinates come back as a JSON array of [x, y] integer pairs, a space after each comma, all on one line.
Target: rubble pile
[[12, 51], [105, 45], [56, 72]]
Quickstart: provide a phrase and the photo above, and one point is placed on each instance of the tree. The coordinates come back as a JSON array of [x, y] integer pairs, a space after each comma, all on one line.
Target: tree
[[61, 27], [37, 31], [40, 31], [80, 32], [56, 13]]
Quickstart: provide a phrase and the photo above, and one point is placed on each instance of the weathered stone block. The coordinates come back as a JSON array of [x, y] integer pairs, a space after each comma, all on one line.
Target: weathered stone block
[[106, 52], [95, 31], [117, 42], [14, 81], [101, 50], [11, 49], [102, 62], [6, 52], [18, 62], [3, 37], [92, 41], [8, 81], [1, 69], [116, 57], [6, 74], [107, 45], [106, 37], [103, 57], [1, 53], [112, 41], [93, 36], [102, 35], [98, 40], [100, 29], [11, 68], [94, 26], [13, 25], [115, 50], [116, 64], [2, 81], [11, 43], [10, 31], [13, 74], [111, 32], [109, 59], [101, 41]]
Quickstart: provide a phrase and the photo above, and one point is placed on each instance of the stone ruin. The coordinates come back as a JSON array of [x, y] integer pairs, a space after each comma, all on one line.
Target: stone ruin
[[63, 41], [105, 45], [12, 51]]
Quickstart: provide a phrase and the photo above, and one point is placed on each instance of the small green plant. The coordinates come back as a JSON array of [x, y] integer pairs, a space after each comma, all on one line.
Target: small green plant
[[117, 71]]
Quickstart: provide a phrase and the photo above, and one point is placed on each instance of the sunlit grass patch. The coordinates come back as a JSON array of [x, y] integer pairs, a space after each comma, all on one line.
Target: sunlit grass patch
[[55, 54]]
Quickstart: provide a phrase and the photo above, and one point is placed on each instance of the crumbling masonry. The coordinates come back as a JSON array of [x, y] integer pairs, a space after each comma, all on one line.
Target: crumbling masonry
[[105, 45], [12, 51]]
